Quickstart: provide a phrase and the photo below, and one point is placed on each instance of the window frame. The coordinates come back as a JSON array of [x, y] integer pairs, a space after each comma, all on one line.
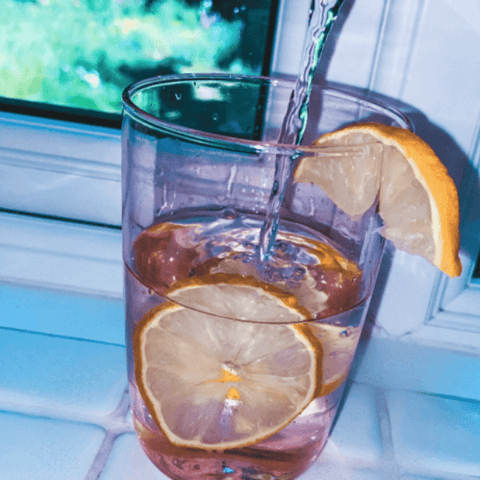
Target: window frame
[[75, 162], [449, 315]]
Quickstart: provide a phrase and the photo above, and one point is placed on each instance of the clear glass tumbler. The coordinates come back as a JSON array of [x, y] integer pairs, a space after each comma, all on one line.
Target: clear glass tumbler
[[237, 358]]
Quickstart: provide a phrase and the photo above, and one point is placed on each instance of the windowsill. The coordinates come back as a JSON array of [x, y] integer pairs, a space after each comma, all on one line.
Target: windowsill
[[411, 411], [66, 399]]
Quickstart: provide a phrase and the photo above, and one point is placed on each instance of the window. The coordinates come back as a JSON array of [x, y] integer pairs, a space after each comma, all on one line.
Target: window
[[83, 53], [407, 50], [64, 162]]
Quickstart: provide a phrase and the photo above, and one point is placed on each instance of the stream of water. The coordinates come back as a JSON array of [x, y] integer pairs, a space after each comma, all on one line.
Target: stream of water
[[323, 14]]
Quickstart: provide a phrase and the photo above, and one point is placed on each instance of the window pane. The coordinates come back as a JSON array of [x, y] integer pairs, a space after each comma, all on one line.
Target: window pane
[[83, 53]]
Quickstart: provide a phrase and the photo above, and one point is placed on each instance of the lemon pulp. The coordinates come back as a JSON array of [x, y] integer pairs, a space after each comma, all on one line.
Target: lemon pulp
[[213, 383]]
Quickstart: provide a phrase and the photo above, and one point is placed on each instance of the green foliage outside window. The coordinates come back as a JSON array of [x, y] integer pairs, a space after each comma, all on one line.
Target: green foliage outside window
[[83, 53]]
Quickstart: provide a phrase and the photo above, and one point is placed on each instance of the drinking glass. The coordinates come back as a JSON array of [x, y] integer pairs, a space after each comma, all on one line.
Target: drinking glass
[[200, 173]]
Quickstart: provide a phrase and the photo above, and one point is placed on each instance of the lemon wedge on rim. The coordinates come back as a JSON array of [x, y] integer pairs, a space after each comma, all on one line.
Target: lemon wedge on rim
[[213, 383], [418, 201]]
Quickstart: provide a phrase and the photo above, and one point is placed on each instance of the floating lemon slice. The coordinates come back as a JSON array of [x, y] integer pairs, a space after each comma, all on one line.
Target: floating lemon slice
[[418, 200], [230, 293], [237, 296], [215, 384]]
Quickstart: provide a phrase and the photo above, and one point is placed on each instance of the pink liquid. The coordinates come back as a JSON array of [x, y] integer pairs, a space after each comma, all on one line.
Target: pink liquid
[[164, 255], [284, 455]]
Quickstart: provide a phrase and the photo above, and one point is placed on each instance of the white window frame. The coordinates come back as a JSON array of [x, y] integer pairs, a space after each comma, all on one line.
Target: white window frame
[[68, 170], [61, 169], [422, 305]]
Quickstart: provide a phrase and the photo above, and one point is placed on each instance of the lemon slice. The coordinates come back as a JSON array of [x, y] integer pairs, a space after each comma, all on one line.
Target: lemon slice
[[238, 296], [418, 201], [216, 384], [262, 302]]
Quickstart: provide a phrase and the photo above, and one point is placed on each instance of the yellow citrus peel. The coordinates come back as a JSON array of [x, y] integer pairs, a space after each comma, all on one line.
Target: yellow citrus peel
[[417, 199]]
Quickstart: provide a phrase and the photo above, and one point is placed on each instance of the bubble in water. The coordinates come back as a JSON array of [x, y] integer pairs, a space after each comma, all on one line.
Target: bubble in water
[[179, 463], [299, 272], [346, 333], [229, 213], [178, 95], [215, 116]]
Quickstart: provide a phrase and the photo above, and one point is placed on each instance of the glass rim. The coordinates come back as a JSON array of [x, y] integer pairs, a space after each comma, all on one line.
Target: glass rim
[[238, 143]]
